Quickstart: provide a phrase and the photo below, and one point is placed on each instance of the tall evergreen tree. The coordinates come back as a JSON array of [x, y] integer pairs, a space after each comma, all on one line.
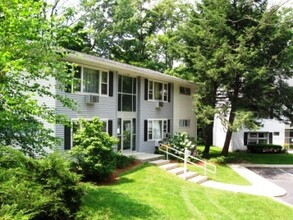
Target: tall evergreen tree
[[237, 49]]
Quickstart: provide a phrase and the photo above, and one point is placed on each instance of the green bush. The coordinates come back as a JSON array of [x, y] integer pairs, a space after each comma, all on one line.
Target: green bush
[[180, 141], [123, 161], [92, 152], [264, 148], [219, 160], [37, 188]]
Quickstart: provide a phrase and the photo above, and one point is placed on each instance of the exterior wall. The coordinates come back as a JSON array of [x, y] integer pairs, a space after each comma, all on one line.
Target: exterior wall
[[237, 140], [183, 109], [48, 101], [107, 107], [147, 110]]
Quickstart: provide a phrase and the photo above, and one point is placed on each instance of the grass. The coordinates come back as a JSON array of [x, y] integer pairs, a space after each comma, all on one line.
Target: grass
[[148, 192], [224, 174], [245, 157]]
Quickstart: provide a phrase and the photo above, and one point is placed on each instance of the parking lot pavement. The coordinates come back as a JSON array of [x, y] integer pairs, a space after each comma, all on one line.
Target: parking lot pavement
[[282, 177]]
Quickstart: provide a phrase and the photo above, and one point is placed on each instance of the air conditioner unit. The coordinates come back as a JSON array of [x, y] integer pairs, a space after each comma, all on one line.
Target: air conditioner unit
[[91, 99], [159, 104]]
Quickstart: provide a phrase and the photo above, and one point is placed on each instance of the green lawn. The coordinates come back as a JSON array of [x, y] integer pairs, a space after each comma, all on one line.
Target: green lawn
[[147, 192], [244, 157]]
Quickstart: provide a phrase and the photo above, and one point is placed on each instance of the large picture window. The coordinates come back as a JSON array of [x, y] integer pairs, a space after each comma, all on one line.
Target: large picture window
[[157, 91], [126, 94], [91, 81]]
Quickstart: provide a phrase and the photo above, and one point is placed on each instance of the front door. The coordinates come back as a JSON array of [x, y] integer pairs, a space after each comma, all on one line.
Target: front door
[[126, 134]]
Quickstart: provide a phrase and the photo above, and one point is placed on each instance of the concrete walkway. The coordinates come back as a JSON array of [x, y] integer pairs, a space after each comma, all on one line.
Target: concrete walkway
[[260, 186]]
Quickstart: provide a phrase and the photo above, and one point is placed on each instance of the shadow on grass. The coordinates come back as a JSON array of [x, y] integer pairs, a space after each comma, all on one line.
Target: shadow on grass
[[104, 203]]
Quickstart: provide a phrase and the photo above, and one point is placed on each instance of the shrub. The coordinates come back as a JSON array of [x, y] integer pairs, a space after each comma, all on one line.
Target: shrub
[[219, 160], [180, 141], [37, 188], [123, 161], [92, 151], [264, 148]]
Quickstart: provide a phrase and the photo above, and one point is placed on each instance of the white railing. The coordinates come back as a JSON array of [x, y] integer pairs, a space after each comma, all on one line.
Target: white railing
[[207, 167]]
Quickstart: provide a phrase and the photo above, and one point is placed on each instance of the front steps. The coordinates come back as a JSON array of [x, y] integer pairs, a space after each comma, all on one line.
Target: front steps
[[174, 168]]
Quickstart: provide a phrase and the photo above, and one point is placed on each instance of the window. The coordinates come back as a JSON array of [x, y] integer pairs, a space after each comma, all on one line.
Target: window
[[184, 123], [157, 91], [257, 138], [157, 129], [92, 81], [184, 91], [126, 94], [69, 131]]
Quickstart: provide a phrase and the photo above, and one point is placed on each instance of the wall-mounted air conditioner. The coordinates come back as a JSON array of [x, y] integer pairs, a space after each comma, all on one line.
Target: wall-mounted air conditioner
[[91, 99], [159, 104]]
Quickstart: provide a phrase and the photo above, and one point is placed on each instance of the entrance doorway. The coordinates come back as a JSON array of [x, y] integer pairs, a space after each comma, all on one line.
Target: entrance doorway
[[126, 132]]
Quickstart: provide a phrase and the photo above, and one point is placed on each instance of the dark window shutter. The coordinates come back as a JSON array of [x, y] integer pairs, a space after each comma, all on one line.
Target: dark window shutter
[[145, 130], [245, 138], [111, 83], [169, 125], [110, 127], [270, 137], [146, 89], [67, 138], [169, 92]]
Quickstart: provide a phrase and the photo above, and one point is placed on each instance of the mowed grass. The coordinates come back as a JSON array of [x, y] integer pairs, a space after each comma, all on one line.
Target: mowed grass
[[224, 174], [245, 157], [147, 192]]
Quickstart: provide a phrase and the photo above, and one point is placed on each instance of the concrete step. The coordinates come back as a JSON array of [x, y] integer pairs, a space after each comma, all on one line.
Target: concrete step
[[169, 166], [159, 162], [177, 171], [199, 179], [146, 157], [188, 175]]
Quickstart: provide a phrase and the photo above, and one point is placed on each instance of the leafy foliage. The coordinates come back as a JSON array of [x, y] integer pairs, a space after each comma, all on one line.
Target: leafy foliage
[[235, 50], [29, 59], [180, 141], [92, 152], [37, 188], [140, 34], [123, 161]]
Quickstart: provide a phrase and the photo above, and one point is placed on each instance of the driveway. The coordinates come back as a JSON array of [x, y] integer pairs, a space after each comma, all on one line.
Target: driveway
[[282, 177]]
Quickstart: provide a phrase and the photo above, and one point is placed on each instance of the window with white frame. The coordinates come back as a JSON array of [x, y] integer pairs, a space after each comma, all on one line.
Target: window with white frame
[[184, 123], [91, 81], [257, 137], [157, 91], [157, 129]]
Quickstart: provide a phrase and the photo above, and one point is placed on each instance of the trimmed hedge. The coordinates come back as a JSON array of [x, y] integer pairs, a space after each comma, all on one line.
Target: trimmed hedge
[[264, 148]]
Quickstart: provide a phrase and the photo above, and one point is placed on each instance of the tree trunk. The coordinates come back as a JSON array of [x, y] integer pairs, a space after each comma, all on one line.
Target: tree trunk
[[229, 133], [208, 138], [234, 103]]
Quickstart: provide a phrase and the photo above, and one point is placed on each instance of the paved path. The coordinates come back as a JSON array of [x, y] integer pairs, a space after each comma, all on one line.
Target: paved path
[[282, 177], [260, 186]]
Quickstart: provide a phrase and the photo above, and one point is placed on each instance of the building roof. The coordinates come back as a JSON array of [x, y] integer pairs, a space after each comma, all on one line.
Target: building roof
[[82, 58]]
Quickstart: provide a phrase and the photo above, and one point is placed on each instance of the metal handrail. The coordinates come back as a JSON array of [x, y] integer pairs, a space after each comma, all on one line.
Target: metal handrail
[[187, 160]]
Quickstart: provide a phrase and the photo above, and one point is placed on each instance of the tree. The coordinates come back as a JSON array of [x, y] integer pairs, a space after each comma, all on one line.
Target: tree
[[238, 49], [29, 58], [134, 31]]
